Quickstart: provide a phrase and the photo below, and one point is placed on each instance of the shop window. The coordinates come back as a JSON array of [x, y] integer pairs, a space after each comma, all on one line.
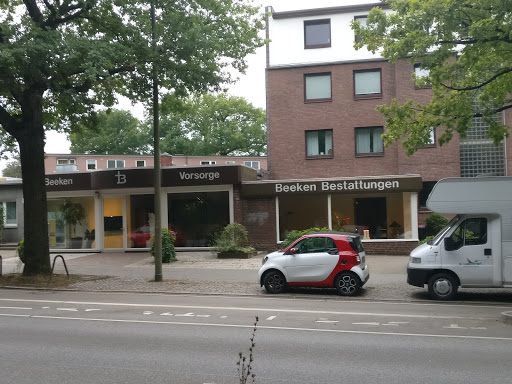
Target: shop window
[[317, 33], [362, 20], [302, 212], [92, 165], [319, 143], [140, 163], [367, 84], [317, 87], [10, 218], [369, 141], [370, 214], [115, 163], [252, 164]]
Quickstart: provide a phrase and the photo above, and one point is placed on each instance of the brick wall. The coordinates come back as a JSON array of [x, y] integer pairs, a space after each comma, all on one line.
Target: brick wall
[[260, 221], [389, 247]]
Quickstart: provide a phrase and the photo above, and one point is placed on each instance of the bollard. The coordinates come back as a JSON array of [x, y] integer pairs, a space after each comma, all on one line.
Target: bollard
[[65, 266]]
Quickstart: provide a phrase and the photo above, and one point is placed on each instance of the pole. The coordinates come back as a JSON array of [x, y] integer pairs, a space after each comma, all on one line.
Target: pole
[[156, 168]]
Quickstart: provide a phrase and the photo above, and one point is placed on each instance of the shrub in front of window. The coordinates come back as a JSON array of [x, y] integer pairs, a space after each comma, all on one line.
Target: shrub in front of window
[[434, 223], [233, 239], [295, 234], [168, 251]]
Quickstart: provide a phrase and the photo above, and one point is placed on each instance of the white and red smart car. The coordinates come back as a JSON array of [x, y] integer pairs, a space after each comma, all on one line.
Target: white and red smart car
[[321, 259]]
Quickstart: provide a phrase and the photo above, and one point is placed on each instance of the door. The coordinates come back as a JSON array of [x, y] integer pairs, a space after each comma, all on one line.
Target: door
[[113, 222], [371, 213], [468, 252], [314, 260]]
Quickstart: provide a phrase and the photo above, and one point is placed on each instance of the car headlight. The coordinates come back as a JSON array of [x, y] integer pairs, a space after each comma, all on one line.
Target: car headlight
[[264, 260], [415, 260]]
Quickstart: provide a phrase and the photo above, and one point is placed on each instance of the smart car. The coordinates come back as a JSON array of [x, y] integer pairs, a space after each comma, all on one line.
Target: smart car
[[329, 259]]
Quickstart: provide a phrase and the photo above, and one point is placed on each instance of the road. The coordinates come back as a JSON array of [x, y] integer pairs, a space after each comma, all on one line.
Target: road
[[79, 337]]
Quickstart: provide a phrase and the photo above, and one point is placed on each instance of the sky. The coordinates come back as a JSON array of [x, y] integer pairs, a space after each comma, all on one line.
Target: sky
[[251, 85]]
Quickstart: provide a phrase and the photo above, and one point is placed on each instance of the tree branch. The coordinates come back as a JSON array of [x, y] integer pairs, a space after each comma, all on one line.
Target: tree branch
[[505, 71], [34, 11], [6, 120]]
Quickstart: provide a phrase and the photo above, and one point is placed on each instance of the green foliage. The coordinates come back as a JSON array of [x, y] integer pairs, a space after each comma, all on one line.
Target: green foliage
[[168, 251], [244, 363], [13, 168], [90, 235], [205, 124], [105, 137], [426, 239], [2, 223], [474, 83], [295, 234], [20, 250], [233, 238], [434, 223], [73, 214]]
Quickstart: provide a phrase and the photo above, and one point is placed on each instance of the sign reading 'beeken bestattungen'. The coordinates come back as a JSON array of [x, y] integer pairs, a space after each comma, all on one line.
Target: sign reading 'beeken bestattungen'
[[338, 186]]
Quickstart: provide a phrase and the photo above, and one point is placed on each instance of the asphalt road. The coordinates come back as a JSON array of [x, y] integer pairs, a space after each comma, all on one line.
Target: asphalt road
[[80, 337]]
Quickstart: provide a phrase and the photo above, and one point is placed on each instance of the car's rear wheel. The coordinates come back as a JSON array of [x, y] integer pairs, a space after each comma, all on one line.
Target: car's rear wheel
[[347, 284], [274, 282]]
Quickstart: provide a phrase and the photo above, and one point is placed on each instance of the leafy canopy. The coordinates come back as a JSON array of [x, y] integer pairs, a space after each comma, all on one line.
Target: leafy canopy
[[464, 45]]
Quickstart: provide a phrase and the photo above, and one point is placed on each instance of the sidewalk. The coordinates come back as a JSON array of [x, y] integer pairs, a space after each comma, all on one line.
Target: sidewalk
[[203, 273]]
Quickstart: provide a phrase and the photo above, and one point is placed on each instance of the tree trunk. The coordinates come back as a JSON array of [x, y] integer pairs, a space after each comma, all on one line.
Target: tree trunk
[[31, 142]]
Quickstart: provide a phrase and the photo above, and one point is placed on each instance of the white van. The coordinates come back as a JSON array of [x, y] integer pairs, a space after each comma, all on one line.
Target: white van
[[475, 248]]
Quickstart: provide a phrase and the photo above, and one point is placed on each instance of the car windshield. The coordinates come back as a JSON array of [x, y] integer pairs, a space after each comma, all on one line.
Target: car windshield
[[437, 238]]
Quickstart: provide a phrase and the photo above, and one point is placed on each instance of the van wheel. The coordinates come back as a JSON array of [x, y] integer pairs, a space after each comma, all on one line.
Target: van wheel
[[274, 282], [347, 284], [442, 287]]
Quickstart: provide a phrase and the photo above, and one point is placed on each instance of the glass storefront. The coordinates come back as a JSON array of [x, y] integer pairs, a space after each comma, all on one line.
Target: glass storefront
[[302, 212], [113, 222], [197, 217], [141, 220], [71, 223]]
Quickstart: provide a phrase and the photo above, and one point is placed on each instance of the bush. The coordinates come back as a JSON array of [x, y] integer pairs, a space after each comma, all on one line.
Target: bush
[[233, 238], [434, 223], [295, 234], [428, 238], [20, 250], [168, 251]]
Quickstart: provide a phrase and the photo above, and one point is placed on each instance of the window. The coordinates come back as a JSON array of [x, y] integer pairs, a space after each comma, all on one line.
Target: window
[[432, 138], [230, 162], [421, 73], [319, 143], [208, 162], [317, 87], [367, 83], [315, 245], [252, 164], [317, 33], [362, 20], [115, 163], [140, 163], [66, 161], [91, 165], [369, 141], [470, 232], [9, 213]]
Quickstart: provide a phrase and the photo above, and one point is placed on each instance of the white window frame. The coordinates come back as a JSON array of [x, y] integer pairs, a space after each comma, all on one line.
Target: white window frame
[[137, 163], [117, 162], [10, 225], [89, 162], [66, 161], [362, 19], [251, 163], [208, 162], [230, 162]]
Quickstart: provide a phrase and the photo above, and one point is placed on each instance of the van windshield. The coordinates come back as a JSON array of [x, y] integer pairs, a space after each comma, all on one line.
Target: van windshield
[[437, 238]]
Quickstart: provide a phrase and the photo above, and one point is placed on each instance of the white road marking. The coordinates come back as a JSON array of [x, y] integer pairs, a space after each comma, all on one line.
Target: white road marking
[[271, 318], [92, 309], [190, 314], [326, 321], [67, 309], [394, 334], [223, 317], [365, 323], [391, 325], [15, 308], [477, 328], [455, 326], [166, 314], [147, 312]]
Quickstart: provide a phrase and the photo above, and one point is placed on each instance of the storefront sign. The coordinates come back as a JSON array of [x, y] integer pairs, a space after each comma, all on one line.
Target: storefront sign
[[68, 182]]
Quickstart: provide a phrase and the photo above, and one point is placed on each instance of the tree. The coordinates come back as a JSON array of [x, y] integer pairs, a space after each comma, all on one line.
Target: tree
[[208, 125], [464, 45], [59, 59], [13, 168], [105, 138]]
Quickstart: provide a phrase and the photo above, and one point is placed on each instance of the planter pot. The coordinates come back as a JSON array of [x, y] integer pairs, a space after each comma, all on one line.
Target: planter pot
[[76, 242], [236, 255], [88, 243]]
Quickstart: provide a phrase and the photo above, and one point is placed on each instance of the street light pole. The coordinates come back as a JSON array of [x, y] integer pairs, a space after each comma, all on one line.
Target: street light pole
[[156, 167]]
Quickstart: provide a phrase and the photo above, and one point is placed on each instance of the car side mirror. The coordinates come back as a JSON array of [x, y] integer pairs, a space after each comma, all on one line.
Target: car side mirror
[[292, 251]]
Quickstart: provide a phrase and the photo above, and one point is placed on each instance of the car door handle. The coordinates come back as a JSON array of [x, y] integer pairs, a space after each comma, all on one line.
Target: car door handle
[[487, 251]]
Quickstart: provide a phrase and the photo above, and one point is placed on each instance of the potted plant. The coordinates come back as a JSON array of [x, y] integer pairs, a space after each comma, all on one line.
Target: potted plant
[[73, 214], [89, 237], [232, 243]]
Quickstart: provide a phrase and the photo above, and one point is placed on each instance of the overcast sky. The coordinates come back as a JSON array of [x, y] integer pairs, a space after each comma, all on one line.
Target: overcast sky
[[251, 86]]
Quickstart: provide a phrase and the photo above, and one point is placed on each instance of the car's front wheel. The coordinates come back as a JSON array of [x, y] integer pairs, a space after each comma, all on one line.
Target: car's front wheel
[[442, 286], [274, 282], [347, 284]]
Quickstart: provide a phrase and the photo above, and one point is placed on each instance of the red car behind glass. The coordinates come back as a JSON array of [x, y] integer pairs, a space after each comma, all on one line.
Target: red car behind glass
[[140, 237]]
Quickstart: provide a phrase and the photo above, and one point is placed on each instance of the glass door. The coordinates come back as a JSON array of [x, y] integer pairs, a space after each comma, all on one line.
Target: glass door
[[113, 222]]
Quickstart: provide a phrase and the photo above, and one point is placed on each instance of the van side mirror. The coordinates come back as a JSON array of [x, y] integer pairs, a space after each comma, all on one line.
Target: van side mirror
[[449, 244]]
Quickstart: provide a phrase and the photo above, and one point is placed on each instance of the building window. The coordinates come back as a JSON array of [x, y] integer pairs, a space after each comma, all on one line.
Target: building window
[[252, 164], [431, 139], [317, 87], [9, 213], [369, 141], [208, 162], [362, 20], [91, 165], [317, 33], [420, 73], [230, 162], [140, 163], [319, 143], [115, 163], [66, 161], [367, 83]]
